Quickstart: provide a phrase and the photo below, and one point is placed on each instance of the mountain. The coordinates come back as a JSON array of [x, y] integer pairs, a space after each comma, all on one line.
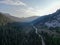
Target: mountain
[[51, 20], [48, 27], [8, 20], [4, 20], [37, 32], [27, 19]]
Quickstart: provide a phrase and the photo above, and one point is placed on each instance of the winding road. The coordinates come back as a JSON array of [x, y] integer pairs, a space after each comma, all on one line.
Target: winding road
[[36, 31]]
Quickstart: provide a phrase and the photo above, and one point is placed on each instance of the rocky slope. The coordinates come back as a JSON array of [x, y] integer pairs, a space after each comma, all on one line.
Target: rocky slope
[[4, 20], [51, 20]]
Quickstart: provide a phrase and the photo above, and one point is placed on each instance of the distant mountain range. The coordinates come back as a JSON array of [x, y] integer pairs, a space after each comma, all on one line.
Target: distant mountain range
[[27, 19], [51, 20]]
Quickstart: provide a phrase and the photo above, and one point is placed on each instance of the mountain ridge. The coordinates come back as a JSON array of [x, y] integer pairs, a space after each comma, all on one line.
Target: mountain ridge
[[17, 19], [48, 18]]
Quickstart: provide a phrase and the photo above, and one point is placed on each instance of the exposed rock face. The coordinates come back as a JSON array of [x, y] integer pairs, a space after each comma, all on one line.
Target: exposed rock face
[[55, 20], [51, 20], [53, 23]]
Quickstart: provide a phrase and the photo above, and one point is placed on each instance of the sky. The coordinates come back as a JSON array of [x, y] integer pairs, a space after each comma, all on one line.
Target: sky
[[27, 8]]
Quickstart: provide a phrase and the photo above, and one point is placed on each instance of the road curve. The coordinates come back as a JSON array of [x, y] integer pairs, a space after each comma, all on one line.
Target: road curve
[[43, 43]]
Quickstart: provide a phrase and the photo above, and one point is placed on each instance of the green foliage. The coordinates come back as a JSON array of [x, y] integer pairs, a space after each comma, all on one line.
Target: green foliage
[[12, 34], [52, 40]]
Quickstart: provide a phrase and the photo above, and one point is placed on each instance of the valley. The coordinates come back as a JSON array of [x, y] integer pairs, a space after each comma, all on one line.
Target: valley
[[43, 30]]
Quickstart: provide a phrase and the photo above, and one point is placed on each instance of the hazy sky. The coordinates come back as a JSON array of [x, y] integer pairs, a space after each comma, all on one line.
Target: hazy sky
[[25, 8]]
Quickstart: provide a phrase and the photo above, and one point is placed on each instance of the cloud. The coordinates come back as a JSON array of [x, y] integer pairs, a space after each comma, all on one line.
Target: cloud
[[12, 2], [31, 11], [45, 11]]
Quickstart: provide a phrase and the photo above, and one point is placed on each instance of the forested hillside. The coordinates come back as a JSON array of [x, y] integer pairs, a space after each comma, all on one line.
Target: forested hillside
[[42, 31]]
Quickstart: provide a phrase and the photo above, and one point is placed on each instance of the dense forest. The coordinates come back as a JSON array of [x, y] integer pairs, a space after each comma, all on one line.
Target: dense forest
[[11, 34], [16, 33]]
